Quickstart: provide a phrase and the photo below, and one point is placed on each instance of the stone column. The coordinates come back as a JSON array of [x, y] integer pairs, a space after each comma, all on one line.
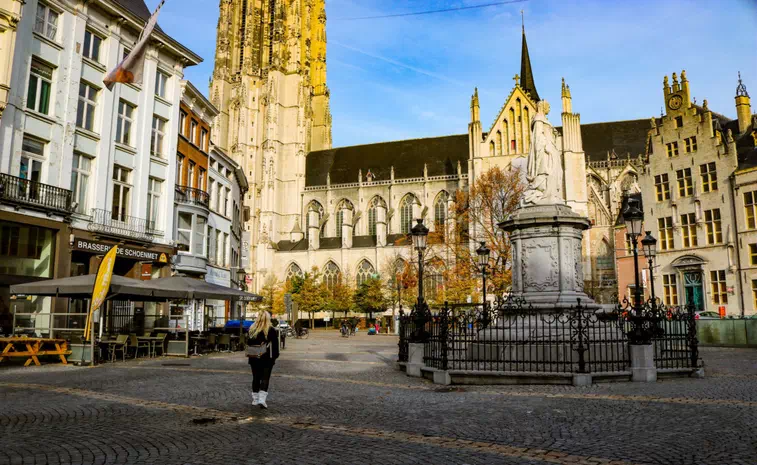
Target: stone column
[[642, 363], [381, 225], [347, 228], [314, 236], [414, 359]]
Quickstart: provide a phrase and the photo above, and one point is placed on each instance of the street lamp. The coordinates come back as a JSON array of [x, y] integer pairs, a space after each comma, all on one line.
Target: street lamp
[[633, 218], [649, 244], [420, 236], [483, 262]]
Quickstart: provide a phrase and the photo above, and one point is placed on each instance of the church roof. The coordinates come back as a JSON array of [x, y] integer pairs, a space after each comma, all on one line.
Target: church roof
[[621, 136], [526, 75], [439, 154]]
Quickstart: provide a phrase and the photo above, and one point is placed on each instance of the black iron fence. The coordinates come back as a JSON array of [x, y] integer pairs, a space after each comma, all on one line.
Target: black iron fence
[[513, 336], [116, 224], [34, 194], [191, 195]]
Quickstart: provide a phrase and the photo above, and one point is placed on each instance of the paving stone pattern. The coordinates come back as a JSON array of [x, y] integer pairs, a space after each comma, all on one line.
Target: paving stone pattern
[[335, 400]]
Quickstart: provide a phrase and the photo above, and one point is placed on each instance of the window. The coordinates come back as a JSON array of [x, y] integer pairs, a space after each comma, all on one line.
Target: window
[[218, 198], [211, 192], [200, 227], [440, 212], [753, 254], [689, 230], [85, 113], [184, 230], [40, 82], [203, 139], [670, 289], [665, 229], [685, 186], [718, 286], [330, 275], [30, 167], [376, 203], [365, 271], [492, 149], [154, 189], [672, 149], [712, 224], [293, 271], [406, 214], [46, 22], [691, 144], [92, 44], [226, 203], [679, 121], [193, 132], [182, 123], [662, 187], [433, 281], [158, 134], [121, 193], [210, 244], [191, 174], [179, 170], [629, 245], [339, 222], [161, 79], [709, 177], [80, 181], [201, 179], [750, 203], [125, 119], [226, 246]]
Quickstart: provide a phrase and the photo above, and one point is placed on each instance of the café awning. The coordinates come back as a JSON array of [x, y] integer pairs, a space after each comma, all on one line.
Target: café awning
[[183, 287], [80, 287]]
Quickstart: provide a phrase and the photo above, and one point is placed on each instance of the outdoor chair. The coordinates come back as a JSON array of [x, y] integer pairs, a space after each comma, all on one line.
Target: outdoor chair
[[136, 344], [121, 344], [213, 341], [225, 340], [161, 344]]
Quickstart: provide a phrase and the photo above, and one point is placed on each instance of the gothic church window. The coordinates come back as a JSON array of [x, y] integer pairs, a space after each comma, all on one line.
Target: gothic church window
[[440, 212], [330, 275], [433, 280], [365, 271], [499, 143], [294, 271], [343, 205], [406, 213], [376, 202], [492, 149]]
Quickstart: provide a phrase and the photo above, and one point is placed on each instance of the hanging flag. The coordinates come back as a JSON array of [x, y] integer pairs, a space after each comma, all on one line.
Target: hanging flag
[[131, 68], [102, 286]]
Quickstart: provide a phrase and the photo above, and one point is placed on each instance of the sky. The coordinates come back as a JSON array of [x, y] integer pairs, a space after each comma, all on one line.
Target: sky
[[412, 77]]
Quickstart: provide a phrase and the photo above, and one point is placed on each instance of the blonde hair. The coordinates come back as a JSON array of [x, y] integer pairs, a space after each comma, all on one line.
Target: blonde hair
[[262, 323]]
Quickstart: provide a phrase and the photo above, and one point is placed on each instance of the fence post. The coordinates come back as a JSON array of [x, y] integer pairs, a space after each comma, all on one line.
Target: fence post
[[444, 333], [583, 377], [692, 336]]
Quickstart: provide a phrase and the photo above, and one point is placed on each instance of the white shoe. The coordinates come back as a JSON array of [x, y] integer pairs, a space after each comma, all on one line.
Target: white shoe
[[261, 399], [255, 398]]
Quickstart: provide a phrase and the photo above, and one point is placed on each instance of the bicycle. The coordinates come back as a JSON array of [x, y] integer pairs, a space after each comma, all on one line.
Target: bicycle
[[304, 333]]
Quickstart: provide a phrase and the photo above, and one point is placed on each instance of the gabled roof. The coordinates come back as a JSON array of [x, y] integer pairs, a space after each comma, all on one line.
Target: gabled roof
[[620, 136], [440, 155]]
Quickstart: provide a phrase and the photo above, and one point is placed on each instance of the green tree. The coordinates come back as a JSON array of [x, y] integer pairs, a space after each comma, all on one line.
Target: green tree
[[341, 297], [370, 296], [312, 294]]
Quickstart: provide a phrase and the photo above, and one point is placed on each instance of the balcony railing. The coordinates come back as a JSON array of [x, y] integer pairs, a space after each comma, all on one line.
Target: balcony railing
[[36, 195], [186, 194], [108, 223]]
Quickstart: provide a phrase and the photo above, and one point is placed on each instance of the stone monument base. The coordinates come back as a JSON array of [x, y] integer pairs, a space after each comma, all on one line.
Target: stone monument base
[[547, 261]]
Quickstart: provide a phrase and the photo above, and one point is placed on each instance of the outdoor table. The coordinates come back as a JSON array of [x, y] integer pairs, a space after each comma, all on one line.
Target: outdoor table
[[34, 348], [111, 343], [152, 340], [197, 340]]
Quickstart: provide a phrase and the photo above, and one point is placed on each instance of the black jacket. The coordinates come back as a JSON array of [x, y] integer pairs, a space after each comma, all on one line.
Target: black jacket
[[273, 353]]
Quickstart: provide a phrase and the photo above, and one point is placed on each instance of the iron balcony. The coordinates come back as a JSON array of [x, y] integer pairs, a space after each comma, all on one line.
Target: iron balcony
[[113, 224], [191, 195], [35, 195]]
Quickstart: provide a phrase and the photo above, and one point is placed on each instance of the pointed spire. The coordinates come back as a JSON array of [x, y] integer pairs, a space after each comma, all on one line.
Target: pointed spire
[[741, 88], [526, 75], [475, 108]]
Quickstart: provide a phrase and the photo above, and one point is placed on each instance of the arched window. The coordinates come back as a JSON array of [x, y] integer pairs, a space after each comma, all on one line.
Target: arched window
[[373, 214], [433, 280], [492, 150], [292, 271], [499, 143], [330, 275], [406, 213], [316, 207], [341, 207], [440, 212], [365, 271], [514, 131], [527, 135], [506, 148]]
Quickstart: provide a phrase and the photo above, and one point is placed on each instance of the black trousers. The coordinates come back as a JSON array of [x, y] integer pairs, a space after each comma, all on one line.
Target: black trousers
[[261, 375]]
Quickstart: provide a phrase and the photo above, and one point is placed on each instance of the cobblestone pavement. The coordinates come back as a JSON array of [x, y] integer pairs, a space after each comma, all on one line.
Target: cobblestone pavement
[[342, 401]]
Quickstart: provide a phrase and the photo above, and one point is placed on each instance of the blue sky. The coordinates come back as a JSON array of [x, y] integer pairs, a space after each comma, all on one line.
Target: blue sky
[[412, 77]]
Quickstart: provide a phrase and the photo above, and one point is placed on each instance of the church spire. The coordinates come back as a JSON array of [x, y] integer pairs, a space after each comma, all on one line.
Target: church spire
[[526, 75]]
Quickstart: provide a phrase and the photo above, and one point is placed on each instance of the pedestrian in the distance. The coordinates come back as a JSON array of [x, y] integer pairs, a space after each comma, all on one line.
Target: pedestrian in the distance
[[262, 352]]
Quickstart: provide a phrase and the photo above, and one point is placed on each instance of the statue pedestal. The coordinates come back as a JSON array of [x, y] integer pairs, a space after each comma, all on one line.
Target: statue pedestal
[[546, 247]]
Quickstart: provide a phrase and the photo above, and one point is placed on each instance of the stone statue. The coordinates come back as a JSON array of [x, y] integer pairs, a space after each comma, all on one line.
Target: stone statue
[[544, 167]]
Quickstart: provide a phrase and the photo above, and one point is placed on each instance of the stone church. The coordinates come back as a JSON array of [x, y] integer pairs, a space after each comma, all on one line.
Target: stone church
[[345, 209]]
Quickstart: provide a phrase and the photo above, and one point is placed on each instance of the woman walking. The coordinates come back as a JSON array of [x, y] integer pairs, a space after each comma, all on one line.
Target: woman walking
[[262, 352]]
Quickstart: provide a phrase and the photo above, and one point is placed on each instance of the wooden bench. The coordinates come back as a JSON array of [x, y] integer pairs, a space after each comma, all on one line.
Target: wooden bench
[[32, 348]]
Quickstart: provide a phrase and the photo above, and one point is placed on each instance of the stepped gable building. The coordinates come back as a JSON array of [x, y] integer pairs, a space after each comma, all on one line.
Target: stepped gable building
[[345, 209]]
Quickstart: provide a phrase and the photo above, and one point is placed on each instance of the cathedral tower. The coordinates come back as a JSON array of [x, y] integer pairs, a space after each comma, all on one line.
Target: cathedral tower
[[269, 84]]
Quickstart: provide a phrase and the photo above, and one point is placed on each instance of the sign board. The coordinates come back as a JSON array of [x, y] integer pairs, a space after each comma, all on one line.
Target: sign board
[[146, 272], [245, 249], [132, 253], [327, 318]]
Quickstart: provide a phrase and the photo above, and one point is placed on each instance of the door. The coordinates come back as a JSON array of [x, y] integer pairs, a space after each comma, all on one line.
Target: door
[[694, 292]]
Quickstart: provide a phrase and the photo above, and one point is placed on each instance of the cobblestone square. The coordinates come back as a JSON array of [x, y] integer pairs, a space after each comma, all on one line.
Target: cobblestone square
[[337, 401]]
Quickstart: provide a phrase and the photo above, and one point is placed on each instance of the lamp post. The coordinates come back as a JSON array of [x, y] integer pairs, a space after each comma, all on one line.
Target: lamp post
[[633, 218], [649, 244], [420, 236], [483, 262]]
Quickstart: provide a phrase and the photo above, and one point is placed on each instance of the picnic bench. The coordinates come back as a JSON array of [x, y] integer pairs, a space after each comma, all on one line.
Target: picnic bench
[[32, 348]]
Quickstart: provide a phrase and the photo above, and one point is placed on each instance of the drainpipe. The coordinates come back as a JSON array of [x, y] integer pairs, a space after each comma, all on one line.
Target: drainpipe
[[734, 188]]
